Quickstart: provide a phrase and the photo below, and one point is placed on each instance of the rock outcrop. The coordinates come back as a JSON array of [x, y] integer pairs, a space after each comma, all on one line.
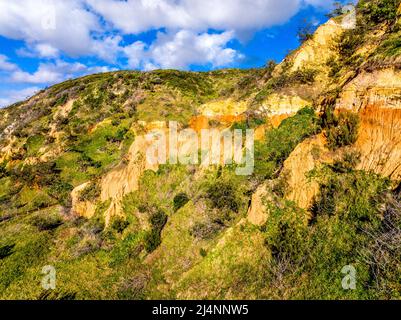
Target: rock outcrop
[[85, 209], [307, 156], [257, 214]]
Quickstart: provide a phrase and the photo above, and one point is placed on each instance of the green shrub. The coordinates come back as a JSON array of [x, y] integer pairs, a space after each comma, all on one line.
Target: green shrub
[[391, 47], [343, 130], [223, 195], [348, 162], [61, 191], [347, 228], [61, 100], [180, 200], [252, 121], [3, 170], [303, 76], [48, 222], [202, 252], [6, 251], [205, 230], [33, 144], [346, 45], [119, 224], [158, 220], [27, 254], [153, 238]]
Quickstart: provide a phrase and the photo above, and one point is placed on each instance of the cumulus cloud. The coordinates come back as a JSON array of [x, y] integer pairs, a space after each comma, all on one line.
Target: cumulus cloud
[[107, 48], [40, 50], [5, 65], [182, 49], [64, 25], [133, 16], [50, 73]]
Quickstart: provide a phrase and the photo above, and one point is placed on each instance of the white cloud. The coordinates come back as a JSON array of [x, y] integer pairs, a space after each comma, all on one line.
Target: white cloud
[[5, 65], [135, 54], [48, 73], [40, 50], [135, 16], [13, 96], [64, 25], [107, 48], [181, 49], [46, 50]]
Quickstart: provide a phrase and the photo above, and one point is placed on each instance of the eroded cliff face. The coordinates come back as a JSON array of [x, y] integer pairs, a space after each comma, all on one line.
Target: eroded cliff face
[[85, 209], [314, 53], [376, 96], [308, 155], [118, 182]]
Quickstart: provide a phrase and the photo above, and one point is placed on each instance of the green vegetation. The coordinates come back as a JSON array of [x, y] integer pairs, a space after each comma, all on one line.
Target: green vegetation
[[153, 238], [280, 142], [391, 47], [48, 222], [378, 11], [285, 79], [180, 200], [90, 193], [342, 130], [222, 195], [6, 250], [185, 233], [33, 144]]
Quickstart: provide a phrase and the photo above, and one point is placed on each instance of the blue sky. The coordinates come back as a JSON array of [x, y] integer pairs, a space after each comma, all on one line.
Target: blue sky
[[43, 42]]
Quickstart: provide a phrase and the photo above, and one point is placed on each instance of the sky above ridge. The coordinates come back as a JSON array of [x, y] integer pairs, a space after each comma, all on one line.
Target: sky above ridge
[[43, 42]]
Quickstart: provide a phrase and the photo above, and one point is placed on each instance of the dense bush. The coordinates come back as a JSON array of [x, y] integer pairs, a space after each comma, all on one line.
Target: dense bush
[[342, 130], [153, 238], [347, 43], [28, 254], [3, 170], [180, 200], [6, 251], [205, 230], [119, 224], [158, 220], [347, 228], [223, 195]]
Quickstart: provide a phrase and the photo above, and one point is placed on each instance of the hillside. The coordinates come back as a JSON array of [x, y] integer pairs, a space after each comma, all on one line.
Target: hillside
[[76, 191]]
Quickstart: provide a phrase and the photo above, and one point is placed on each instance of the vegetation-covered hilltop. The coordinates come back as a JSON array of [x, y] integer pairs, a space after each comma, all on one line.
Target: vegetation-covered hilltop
[[76, 194]]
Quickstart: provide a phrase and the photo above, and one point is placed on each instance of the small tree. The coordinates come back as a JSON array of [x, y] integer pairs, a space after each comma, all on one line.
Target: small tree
[[306, 31], [343, 130]]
